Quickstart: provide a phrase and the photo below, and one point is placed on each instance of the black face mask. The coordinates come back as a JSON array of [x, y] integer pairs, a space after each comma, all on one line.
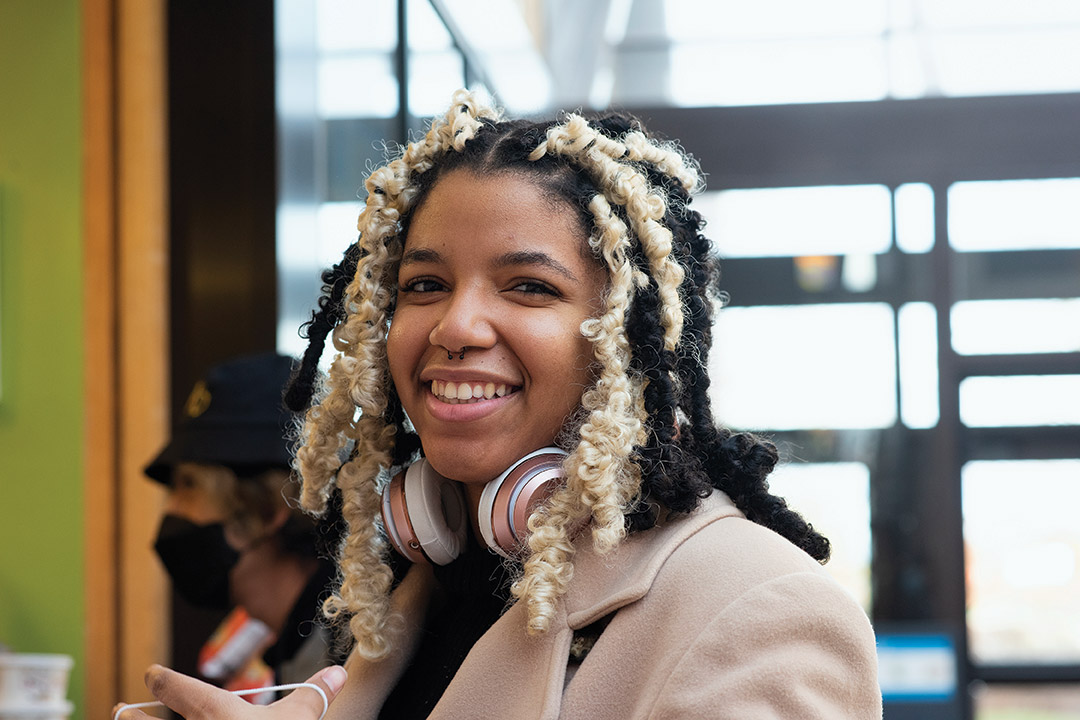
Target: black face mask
[[198, 559]]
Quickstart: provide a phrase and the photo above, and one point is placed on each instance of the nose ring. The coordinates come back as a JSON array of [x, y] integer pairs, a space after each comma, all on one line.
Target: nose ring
[[461, 355]]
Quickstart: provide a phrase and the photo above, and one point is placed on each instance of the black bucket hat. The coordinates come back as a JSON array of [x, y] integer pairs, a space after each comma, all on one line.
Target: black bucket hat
[[233, 417]]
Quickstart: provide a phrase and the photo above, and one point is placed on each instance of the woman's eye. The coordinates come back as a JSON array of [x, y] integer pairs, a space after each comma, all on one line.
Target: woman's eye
[[422, 285], [533, 287]]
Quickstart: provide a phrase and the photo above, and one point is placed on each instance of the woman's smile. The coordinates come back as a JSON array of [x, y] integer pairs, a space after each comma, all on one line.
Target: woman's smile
[[467, 392], [455, 409], [485, 346]]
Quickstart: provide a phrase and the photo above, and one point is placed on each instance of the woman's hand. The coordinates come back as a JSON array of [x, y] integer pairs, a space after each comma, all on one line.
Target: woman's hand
[[196, 700]]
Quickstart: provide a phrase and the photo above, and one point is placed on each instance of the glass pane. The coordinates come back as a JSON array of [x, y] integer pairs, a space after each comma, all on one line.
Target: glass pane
[[1015, 215], [763, 73], [337, 231], [1026, 702], [909, 76], [917, 326], [1022, 560], [434, 76], [789, 51], [811, 366], [357, 86], [1020, 401], [986, 327], [426, 30], [506, 51], [346, 25], [980, 13], [826, 220], [689, 19], [317, 239], [1009, 61], [309, 240], [915, 217], [835, 498]]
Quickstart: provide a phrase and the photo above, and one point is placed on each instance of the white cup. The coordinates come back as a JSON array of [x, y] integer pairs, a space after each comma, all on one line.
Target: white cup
[[41, 711], [28, 680]]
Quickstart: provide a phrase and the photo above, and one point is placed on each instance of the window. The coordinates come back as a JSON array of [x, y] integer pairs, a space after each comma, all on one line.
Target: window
[[802, 221], [1023, 556], [987, 327], [918, 365], [811, 366], [786, 51], [835, 498], [1020, 401], [1014, 215]]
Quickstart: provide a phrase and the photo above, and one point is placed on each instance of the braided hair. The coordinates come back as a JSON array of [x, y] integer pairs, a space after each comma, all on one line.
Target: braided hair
[[645, 435]]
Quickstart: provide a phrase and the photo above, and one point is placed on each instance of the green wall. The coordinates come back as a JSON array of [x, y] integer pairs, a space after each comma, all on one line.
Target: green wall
[[42, 604]]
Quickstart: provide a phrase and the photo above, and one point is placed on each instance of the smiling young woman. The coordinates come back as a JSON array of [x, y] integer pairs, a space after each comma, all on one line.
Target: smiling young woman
[[521, 285], [493, 287]]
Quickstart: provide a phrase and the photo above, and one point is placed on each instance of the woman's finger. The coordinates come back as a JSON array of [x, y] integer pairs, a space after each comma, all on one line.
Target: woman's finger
[[130, 714], [192, 698], [304, 702]]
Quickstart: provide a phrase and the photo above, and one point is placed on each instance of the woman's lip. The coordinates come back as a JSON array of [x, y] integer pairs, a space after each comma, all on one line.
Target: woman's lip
[[459, 375], [463, 412]]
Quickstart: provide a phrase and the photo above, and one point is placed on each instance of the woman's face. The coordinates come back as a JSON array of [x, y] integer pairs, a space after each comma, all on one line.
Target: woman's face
[[493, 265]]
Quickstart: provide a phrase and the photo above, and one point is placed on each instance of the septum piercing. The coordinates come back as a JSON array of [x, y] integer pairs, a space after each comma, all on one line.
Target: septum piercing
[[461, 356], [252, 691]]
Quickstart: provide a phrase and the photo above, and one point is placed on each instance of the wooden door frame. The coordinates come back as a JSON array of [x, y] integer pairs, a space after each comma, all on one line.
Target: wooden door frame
[[125, 221]]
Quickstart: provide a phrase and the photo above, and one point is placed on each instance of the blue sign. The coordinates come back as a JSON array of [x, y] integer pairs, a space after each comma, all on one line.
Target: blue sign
[[916, 668]]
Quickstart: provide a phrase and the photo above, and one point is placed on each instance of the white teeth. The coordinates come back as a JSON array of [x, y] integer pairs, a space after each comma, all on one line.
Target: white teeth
[[454, 393]]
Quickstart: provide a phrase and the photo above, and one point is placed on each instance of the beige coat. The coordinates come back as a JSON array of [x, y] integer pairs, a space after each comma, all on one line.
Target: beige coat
[[717, 618]]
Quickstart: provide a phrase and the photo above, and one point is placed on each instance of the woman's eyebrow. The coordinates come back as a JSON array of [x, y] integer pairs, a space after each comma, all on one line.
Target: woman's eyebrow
[[421, 255], [510, 259], [534, 257]]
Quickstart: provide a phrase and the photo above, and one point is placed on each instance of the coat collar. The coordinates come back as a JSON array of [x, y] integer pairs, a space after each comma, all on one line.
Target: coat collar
[[604, 583]]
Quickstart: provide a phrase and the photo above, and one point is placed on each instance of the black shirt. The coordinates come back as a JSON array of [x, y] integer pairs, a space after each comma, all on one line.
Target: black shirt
[[471, 593]]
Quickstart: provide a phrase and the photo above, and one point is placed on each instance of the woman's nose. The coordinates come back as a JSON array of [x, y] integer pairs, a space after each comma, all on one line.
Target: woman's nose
[[467, 322]]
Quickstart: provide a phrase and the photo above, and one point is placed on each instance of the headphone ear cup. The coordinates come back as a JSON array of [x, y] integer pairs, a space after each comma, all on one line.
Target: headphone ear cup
[[425, 515], [509, 500]]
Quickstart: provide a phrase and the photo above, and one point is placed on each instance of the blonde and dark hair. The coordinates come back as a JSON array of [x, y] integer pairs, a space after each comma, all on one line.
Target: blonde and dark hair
[[645, 437]]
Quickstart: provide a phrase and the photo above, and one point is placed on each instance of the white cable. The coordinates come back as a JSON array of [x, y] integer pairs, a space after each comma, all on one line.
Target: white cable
[[250, 691]]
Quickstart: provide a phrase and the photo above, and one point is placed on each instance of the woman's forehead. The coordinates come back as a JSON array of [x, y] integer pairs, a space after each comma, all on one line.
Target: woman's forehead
[[508, 202]]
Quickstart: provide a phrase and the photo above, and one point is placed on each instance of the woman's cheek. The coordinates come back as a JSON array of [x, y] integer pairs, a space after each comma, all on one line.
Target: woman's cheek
[[396, 355]]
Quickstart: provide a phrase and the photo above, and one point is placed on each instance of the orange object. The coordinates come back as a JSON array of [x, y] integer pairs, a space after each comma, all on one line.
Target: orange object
[[233, 655]]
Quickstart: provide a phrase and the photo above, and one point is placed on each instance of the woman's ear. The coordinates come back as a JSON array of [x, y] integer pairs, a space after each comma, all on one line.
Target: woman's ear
[[277, 521]]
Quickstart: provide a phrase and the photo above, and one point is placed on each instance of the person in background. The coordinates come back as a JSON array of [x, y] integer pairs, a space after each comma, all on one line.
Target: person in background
[[232, 534]]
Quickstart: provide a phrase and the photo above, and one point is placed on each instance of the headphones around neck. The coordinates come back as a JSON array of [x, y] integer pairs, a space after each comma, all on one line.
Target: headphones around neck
[[426, 517]]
